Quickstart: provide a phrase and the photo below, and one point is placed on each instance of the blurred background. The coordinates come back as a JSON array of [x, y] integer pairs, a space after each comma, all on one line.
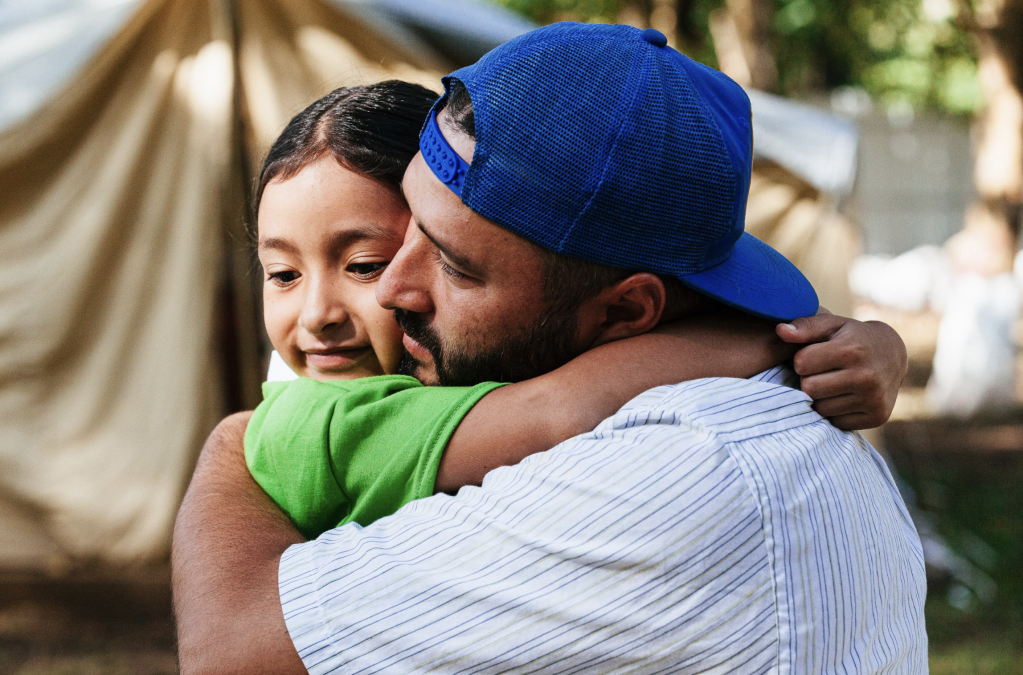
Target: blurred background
[[889, 168]]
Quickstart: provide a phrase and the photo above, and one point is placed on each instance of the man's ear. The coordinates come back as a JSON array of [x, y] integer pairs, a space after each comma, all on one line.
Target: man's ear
[[630, 307]]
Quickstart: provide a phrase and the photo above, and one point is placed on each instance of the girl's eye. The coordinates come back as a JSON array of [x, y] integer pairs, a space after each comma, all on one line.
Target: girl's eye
[[283, 278], [366, 270]]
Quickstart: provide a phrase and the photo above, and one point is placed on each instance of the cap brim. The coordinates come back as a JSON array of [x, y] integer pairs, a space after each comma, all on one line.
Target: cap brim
[[758, 280]]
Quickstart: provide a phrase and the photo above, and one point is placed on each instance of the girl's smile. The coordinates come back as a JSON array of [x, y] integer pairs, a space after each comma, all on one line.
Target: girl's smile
[[335, 358]]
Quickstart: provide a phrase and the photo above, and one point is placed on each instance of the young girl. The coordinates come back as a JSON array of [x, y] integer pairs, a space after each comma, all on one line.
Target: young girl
[[352, 441]]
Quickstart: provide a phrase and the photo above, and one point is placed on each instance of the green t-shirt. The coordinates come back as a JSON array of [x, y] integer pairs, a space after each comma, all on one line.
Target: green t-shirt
[[330, 453]]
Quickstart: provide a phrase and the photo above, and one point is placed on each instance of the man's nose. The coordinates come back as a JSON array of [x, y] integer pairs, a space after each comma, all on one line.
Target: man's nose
[[404, 283], [322, 310]]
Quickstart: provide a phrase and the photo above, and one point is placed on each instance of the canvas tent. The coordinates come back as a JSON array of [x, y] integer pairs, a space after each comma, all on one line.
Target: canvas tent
[[129, 134], [127, 319]]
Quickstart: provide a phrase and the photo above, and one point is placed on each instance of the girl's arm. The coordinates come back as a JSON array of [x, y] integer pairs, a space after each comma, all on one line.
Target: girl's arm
[[520, 419], [852, 370]]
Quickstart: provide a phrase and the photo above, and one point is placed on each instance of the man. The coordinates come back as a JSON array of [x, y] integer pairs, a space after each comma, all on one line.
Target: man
[[720, 525]]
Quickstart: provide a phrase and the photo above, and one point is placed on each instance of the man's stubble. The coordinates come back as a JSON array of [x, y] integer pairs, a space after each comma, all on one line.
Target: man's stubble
[[544, 344]]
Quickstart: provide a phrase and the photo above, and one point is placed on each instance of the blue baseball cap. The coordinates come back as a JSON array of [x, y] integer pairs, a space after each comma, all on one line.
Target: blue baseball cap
[[602, 143]]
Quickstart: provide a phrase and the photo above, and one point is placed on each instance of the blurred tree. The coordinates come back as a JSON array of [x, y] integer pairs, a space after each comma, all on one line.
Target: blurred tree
[[549, 11], [991, 233], [753, 20], [999, 169], [919, 53]]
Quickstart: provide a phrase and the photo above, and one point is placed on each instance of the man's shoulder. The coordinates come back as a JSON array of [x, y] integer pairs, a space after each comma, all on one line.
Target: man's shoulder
[[841, 546], [728, 408], [612, 548]]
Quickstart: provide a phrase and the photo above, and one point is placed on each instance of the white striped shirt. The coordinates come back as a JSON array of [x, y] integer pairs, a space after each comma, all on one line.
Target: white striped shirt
[[718, 525]]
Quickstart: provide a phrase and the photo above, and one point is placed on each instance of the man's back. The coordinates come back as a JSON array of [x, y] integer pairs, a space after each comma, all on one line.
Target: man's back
[[719, 525]]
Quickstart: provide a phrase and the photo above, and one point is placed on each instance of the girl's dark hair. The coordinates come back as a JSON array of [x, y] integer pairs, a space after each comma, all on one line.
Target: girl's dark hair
[[371, 129]]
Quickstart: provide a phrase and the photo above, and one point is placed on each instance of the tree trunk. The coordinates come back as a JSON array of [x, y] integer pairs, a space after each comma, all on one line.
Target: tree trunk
[[990, 234], [634, 13], [688, 31], [732, 59], [753, 21]]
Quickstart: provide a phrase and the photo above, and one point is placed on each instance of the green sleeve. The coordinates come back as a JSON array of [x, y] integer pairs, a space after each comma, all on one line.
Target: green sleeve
[[288, 453], [329, 453]]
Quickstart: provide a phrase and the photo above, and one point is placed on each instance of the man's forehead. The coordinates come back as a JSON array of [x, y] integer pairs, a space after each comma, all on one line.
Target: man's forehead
[[441, 214], [427, 197]]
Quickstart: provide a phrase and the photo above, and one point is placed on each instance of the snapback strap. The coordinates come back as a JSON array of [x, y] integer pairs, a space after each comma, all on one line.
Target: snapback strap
[[445, 163]]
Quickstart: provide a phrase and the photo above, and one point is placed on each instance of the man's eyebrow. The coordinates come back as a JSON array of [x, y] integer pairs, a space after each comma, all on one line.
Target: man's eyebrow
[[460, 261]]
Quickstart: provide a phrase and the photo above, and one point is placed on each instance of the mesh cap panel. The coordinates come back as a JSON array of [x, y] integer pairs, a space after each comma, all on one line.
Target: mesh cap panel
[[641, 117]]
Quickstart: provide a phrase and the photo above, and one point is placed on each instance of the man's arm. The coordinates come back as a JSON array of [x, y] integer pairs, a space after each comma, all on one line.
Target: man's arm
[[228, 541]]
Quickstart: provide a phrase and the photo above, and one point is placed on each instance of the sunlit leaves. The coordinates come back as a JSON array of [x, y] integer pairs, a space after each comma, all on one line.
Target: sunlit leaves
[[794, 15], [903, 52]]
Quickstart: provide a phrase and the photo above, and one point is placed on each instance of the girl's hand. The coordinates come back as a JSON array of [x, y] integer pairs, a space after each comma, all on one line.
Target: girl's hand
[[851, 369]]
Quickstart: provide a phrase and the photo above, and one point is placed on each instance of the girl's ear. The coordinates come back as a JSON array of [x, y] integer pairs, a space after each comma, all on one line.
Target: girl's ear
[[630, 307]]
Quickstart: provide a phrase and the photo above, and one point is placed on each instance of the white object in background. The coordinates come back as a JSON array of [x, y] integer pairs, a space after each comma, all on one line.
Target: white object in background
[[818, 147], [914, 281], [1017, 268], [974, 365], [279, 370]]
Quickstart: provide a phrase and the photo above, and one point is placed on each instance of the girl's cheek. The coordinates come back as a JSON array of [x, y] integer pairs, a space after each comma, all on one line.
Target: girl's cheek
[[383, 332], [281, 321]]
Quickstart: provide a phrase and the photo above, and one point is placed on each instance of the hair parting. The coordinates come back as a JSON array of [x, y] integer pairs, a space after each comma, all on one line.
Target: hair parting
[[371, 129]]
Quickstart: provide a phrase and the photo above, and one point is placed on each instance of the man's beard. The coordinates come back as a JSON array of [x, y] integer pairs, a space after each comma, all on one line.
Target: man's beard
[[538, 348]]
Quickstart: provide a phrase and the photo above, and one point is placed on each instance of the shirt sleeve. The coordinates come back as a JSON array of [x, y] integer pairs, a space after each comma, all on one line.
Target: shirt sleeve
[[334, 452]]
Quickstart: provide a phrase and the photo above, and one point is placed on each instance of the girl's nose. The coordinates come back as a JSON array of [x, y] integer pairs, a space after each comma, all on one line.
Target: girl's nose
[[323, 310]]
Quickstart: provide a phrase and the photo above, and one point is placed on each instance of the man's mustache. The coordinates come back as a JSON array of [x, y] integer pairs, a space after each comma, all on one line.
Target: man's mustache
[[416, 326]]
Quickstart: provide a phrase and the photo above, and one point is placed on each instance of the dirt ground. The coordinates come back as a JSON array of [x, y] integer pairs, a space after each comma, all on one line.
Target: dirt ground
[[87, 624]]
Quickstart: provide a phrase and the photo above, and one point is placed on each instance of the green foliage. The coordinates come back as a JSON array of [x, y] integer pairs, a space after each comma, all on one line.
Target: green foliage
[[973, 497], [915, 52], [900, 51]]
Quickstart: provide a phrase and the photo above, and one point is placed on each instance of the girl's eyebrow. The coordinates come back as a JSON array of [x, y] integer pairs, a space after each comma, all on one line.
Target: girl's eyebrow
[[278, 244], [339, 241]]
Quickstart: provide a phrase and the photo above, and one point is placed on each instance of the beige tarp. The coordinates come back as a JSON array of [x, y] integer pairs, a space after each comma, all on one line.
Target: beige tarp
[[803, 224], [121, 244]]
